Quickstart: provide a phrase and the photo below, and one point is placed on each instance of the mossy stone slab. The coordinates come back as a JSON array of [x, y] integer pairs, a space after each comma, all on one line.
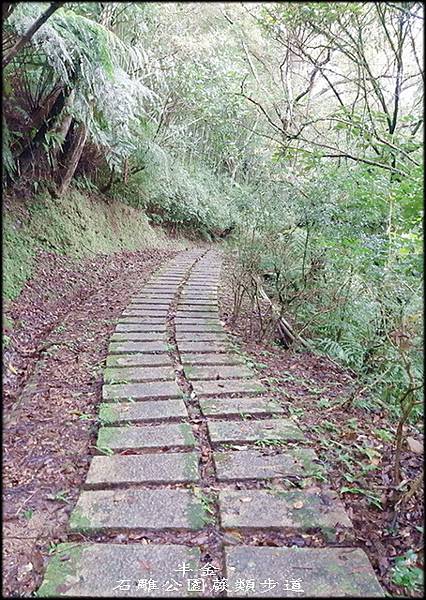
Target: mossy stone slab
[[91, 570], [142, 347], [218, 372], [253, 431], [146, 312], [146, 320], [202, 347], [224, 387], [201, 336], [195, 314], [301, 572], [242, 406], [142, 468], [146, 436], [141, 327], [141, 391], [196, 321], [211, 358], [120, 374], [133, 509], [195, 307], [149, 301], [139, 412], [138, 360], [138, 336], [265, 464], [198, 328], [300, 510]]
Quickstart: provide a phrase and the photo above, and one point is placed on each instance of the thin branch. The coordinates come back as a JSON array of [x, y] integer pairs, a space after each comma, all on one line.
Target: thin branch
[[31, 31]]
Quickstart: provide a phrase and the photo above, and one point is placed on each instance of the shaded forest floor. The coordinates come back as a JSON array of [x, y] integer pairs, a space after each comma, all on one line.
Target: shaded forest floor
[[54, 358], [53, 364], [355, 445]]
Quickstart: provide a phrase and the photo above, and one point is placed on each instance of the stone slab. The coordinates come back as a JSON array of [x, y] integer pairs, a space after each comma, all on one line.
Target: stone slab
[[276, 509], [154, 321], [190, 297], [157, 293], [202, 278], [138, 360], [171, 276], [141, 391], [191, 314], [136, 412], [135, 312], [95, 570], [191, 306], [142, 347], [198, 328], [245, 405], [202, 286], [199, 302], [153, 306], [150, 297], [167, 288], [146, 468], [203, 347], [252, 431], [265, 464], [196, 321], [165, 279], [141, 327], [121, 374], [130, 509], [225, 387], [217, 372], [149, 302], [145, 436], [211, 358], [321, 572], [138, 336], [201, 336]]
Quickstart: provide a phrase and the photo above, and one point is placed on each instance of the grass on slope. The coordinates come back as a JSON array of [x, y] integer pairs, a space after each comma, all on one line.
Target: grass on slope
[[76, 226]]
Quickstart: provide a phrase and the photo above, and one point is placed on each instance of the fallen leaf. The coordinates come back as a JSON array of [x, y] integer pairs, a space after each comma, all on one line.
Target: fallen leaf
[[415, 445]]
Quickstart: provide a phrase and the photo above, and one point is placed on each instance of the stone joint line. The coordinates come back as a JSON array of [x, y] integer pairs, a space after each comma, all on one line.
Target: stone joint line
[[201, 482]]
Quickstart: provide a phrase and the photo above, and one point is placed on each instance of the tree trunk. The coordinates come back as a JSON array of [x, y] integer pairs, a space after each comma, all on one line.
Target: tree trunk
[[28, 153], [7, 9], [73, 158], [31, 31], [63, 126]]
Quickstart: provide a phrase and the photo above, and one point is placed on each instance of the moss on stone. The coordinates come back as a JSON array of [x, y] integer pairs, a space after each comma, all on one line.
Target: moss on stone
[[59, 570], [188, 436], [108, 414], [105, 436], [79, 521]]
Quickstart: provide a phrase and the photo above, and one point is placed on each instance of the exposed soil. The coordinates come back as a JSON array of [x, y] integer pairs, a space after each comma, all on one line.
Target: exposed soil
[[53, 363], [346, 438]]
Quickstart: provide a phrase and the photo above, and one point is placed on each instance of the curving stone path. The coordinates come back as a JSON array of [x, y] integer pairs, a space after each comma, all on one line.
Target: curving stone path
[[202, 482]]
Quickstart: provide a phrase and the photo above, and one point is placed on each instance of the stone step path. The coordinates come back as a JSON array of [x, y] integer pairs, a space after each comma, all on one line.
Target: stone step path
[[190, 442]]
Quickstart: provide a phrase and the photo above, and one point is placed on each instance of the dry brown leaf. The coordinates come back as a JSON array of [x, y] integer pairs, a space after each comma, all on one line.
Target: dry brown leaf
[[415, 445]]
